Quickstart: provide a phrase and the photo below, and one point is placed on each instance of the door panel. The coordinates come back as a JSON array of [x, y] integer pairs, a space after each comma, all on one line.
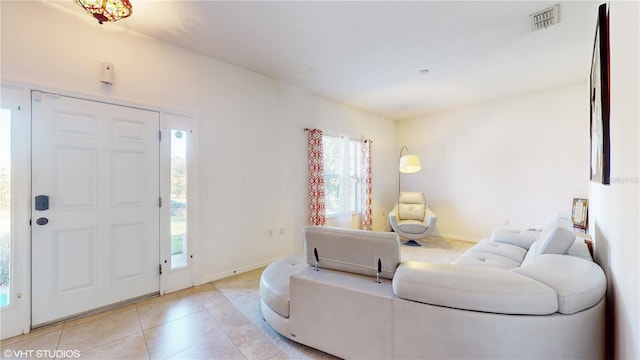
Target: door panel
[[128, 176], [74, 260], [128, 251], [99, 165], [74, 175]]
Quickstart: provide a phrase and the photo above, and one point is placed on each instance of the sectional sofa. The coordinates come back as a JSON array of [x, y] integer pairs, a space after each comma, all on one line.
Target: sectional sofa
[[534, 293]]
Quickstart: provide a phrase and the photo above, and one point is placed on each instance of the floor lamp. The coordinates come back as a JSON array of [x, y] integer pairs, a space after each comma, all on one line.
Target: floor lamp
[[409, 164]]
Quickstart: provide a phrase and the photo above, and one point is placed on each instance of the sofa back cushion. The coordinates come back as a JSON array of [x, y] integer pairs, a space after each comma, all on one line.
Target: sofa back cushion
[[555, 240], [355, 251], [522, 239]]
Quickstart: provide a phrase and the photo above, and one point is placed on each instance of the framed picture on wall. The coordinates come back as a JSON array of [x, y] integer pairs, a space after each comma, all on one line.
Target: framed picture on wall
[[579, 213], [599, 81]]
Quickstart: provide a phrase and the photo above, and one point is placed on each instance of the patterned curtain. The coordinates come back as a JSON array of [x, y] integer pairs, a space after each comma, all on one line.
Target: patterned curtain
[[366, 217], [317, 210]]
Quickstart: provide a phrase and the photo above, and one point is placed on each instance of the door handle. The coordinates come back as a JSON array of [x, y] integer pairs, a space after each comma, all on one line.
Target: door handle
[[42, 221]]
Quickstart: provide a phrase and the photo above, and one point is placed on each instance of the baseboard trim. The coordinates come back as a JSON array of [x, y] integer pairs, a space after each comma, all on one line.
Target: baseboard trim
[[457, 237], [225, 274]]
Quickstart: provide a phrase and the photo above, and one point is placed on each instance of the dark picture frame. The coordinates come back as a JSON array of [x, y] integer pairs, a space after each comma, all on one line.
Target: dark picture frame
[[599, 83], [580, 213]]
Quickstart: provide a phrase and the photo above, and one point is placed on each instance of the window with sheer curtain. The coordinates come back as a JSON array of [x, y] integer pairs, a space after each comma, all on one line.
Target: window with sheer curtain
[[342, 174]]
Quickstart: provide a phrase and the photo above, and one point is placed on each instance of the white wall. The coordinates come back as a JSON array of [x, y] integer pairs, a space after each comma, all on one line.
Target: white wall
[[253, 148], [516, 160], [614, 215]]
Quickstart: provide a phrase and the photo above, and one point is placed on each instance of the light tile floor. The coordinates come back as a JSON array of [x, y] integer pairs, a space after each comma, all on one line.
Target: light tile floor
[[219, 320]]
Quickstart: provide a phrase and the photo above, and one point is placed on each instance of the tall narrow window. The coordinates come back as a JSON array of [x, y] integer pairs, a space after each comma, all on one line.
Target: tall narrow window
[[342, 175], [355, 172], [5, 208], [179, 140], [333, 155]]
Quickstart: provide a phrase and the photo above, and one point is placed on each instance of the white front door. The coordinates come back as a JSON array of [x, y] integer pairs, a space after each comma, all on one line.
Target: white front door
[[95, 210]]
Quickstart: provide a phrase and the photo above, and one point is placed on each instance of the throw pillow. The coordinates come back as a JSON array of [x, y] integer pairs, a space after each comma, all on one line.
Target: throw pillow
[[411, 197], [412, 212]]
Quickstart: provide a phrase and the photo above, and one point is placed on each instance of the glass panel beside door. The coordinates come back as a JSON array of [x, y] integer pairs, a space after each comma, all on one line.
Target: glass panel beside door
[[179, 140], [5, 208]]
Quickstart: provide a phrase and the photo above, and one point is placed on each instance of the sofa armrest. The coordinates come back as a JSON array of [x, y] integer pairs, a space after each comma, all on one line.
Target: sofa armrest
[[473, 288], [393, 216], [430, 217]]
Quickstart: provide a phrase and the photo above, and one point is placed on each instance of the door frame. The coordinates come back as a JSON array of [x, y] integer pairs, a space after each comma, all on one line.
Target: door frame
[[174, 280], [23, 253], [16, 318]]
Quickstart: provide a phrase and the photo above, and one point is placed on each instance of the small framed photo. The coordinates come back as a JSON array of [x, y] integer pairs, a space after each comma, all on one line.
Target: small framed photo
[[579, 212]]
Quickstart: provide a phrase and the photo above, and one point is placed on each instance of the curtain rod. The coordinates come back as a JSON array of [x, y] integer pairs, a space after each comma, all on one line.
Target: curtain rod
[[341, 136]]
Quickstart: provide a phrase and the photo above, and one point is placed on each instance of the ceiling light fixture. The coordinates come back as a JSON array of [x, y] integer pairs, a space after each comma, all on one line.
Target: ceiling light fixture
[[423, 72], [106, 10]]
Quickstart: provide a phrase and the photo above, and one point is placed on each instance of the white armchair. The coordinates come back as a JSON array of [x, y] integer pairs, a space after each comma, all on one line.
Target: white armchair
[[411, 218]]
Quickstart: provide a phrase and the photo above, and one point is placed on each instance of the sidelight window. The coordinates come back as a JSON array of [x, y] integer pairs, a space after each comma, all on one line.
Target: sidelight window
[[5, 208], [179, 251]]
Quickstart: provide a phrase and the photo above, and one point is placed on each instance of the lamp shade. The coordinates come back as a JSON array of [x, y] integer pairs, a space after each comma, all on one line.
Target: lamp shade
[[409, 164], [106, 10]]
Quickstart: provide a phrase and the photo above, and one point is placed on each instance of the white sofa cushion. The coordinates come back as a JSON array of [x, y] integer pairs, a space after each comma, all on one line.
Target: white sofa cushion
[[579, 283], [487, 253], [555, 240], [355, 251], [486, 260], [473, 288], [511, 252], [412, 226], [506, 236]]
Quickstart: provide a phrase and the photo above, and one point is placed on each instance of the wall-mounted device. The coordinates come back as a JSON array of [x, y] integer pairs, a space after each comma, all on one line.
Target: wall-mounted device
[[106, 76]]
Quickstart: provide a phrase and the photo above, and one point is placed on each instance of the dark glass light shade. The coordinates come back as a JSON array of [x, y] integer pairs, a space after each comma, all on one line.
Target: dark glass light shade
[[106, 10]]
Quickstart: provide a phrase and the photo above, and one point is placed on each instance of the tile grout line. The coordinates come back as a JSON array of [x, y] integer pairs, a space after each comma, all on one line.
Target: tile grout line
[[251, 323], [144, 337], [224, 329], [60, 336]]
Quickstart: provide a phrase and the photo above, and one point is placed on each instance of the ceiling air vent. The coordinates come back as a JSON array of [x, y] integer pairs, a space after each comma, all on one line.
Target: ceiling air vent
[[545, 18]]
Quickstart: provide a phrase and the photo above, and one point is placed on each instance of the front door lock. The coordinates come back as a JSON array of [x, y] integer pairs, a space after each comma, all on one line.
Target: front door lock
[[42, 202], [42, 221]]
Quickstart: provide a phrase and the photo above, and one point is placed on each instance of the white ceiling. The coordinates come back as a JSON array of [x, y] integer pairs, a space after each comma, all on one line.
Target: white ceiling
[[368, 53]]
